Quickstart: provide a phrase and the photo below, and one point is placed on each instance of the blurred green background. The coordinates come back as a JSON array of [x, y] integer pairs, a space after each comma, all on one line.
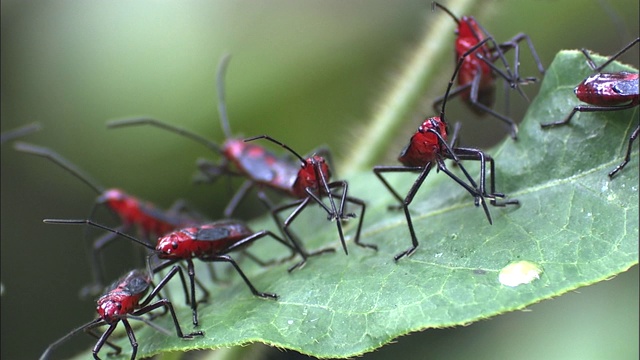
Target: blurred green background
[[307, 73]]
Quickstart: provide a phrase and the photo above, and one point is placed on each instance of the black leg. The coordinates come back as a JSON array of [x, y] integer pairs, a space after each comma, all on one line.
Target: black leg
[[237, 198], [103, 339], [627, 157], [227, 258], [167, 304], [587, 108], [424, 171]]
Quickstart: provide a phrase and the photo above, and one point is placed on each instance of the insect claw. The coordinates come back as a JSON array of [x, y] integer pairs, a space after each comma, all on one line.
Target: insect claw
[[407, 252], [494, 202], [297, 266], [370, 246], [348, 216], [528, 80], [268, 296], [193, 334], [485, 208]]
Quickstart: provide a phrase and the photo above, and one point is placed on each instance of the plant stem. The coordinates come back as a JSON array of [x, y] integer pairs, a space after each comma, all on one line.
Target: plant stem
[[406, 92]]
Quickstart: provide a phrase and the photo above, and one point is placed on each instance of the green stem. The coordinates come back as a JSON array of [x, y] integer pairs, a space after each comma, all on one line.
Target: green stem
[[407, 91]]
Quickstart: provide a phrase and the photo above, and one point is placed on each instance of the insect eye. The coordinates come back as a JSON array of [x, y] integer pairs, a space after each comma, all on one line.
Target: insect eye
[[174, 245]]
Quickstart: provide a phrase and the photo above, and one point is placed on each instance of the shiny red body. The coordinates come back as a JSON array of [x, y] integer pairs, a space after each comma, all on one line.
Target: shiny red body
[[469, 35], [150, 219], [202, 241], [483, 61], [429, 147], [123, 297], [309, 176], [424, 145], [609, 89], [261, 166], [124, 301], [131, 211], [266, 169], [209, 243]]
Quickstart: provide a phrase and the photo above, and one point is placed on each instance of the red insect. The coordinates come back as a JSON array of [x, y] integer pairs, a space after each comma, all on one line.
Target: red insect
[[209, 243], [123, 301], [19, 132], [607, 92], [311, 183], [260, 167], [131, 211], [429, 147], [476, 81]]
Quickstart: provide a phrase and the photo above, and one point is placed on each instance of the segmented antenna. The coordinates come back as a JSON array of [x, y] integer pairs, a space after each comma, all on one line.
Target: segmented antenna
[[222, 103], [267, 137], [64, 163], [455, 73], [174, 129], [99, 226], [19, 132]]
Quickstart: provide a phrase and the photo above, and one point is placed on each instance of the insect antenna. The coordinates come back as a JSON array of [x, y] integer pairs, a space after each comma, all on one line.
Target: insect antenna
[[455, 73], [174, 129], [99, 226], [64, 163], [222, 103], [435, 4], [267, 137], [19, 132]]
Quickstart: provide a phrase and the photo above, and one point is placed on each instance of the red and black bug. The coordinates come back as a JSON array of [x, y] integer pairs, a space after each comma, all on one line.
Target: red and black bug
[[261, 168], [132, 212], [311, 183], [121, 302], [607, 91], [19, 132], [429, 147], [476, 80], [209, 243]]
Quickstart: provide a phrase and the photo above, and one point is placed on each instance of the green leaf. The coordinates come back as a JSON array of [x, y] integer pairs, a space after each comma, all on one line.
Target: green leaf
[[575, 225]]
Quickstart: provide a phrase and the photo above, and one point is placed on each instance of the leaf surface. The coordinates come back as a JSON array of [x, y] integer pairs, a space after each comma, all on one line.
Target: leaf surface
[[578, 226]]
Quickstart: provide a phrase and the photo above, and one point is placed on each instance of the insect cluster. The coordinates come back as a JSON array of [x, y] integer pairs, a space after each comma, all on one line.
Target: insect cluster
[[173, 240]]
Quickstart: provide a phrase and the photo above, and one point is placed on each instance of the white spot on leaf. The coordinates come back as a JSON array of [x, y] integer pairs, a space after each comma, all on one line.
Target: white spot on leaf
[[518, 273]]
